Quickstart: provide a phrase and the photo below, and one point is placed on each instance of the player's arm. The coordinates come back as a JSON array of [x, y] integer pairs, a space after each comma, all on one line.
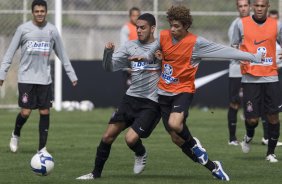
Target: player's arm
[[114, 61], [205, 49], [279, 39], [8, 57], [62, 55], [124, 32]]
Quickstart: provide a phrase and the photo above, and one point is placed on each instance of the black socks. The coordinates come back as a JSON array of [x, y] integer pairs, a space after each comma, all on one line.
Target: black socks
[[102, 154], [44, 123], [273, 134], [20, 121], [232, 122], [138, 148]]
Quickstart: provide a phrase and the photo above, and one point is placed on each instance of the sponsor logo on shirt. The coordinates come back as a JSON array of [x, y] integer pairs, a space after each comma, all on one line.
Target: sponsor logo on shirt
[[38, 46], [259, 42], [265, 60], [145, 65], [167, 74]]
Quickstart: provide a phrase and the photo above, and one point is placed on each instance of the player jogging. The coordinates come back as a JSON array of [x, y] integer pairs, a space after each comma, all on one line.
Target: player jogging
[[36, 39]]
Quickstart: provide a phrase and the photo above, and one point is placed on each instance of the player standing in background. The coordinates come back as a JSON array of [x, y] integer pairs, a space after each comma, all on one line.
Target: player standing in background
[[258, 34], [273, 14], [235, 76], [128, 32], [139, 110], [37, 39]]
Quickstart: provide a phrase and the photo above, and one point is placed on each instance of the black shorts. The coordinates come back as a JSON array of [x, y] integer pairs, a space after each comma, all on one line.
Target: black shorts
[[235, 90], [178, 103], [141, 114], [260, 98], [35, 96]]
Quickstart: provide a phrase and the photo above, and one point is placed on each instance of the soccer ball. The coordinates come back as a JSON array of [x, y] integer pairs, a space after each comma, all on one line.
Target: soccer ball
[[42, 163]]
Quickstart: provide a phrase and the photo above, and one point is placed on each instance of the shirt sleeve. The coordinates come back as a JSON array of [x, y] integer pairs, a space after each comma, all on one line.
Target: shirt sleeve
[[62, 55], [118, 60], [279, 35], [8, 57], [236, 38], [124, 32], [205, 49]]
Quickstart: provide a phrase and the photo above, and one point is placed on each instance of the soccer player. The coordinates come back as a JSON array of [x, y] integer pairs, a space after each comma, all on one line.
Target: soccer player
[[272, 14], [36, 39], [258, 34], [181, 52], [139, 110], [128, 32], [235, 88]]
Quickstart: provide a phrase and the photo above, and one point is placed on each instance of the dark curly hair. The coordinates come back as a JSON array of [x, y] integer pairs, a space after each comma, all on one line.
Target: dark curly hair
[[180, 13]]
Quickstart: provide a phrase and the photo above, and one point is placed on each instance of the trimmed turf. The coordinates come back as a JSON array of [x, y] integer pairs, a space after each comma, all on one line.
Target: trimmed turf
[[74, 136]]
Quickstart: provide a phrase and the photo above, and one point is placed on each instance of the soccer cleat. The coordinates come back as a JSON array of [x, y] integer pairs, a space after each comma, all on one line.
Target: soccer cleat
[[139, 164], [245, 144], [271, 158], [265, 142], [219, 173], [200, 152], [14, 143], [233, 143], [89, 176]]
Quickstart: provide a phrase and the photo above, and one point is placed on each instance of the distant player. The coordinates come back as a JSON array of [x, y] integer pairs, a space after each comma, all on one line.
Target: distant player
[[235, 76], [128, 32], [181, 52], [258, 34], [139, 110], [37, 39]]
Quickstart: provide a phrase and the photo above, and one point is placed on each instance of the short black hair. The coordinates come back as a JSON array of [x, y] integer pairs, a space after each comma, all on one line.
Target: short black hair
[[149, 18], [274, 12], [133, 9], [38, 3]]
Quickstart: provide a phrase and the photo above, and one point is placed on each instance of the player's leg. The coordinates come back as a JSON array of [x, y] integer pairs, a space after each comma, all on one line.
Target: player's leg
[[252, 100], [271, 105], [181, 135], [44, 101], [146, 115], [26, 102], [235, 95]]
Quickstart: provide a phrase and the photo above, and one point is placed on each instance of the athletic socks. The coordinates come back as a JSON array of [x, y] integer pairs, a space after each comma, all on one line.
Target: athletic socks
[[265, 126], [273, 134], [210, 165], [232, 121], [187, 151], [20, 121], [186, 135], [138, 148], [44, 123], [250, 128], [102, 155]]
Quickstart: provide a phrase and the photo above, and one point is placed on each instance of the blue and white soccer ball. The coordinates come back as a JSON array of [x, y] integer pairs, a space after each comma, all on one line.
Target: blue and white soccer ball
[[42, 163]]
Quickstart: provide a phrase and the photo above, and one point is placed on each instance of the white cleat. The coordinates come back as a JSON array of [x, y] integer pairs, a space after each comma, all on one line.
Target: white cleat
[[233, 143], [139, 164], [14, 143], [265, 142], [89, 176], [245, 144], [271, 158]]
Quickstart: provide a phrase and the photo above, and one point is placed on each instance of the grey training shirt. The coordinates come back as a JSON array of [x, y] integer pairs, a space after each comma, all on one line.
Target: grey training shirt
[[145, 74], [36, 45]]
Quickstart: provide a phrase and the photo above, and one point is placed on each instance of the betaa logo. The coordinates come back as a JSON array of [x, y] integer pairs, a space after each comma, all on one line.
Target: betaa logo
[[167, 74], [38, 46]]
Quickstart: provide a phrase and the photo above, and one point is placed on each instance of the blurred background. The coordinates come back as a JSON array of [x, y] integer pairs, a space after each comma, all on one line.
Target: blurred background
[[88, 24]]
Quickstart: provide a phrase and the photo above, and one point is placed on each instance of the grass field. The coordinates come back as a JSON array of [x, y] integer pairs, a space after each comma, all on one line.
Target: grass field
[[74, 136]]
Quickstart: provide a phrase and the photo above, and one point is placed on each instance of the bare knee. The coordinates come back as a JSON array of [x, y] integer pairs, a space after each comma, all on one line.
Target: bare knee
[[25, 113], [253, 121], [234, 106], [108, 138], [273, 118], [131, 137], [44, 111]]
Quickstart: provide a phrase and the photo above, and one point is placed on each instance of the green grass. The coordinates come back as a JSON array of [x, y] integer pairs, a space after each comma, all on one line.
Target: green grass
[[74, 136]]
